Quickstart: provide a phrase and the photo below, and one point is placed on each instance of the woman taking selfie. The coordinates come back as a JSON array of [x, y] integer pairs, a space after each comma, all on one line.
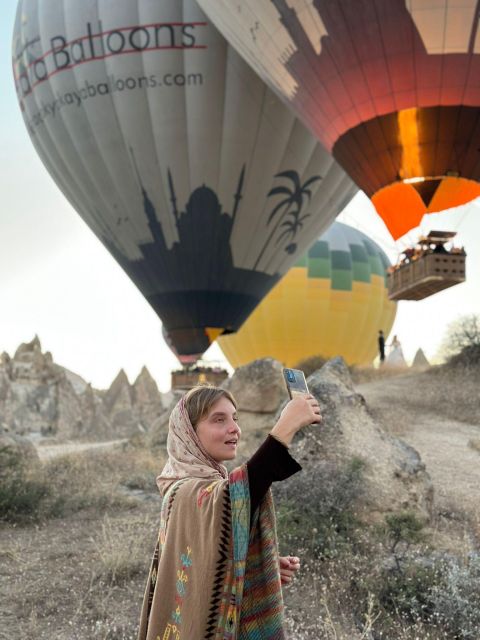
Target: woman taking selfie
[[216, 573]]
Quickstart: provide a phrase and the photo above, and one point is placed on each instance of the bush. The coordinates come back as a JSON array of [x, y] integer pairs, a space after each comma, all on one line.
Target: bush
[[141, 482], [72, 482], [456, 598], [474, 443], [316, 508], [21, 494], [444, 593], [468, 357], [461, 343], [83, 480], [403, 528], [408, 592]]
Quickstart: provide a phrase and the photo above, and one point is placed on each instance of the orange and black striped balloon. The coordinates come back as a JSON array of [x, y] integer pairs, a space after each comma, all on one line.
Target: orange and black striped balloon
[[391, 87]]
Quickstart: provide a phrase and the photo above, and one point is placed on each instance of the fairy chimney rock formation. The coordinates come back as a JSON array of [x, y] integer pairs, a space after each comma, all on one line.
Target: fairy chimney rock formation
[[394, 473], [148, 399], [257, 387], [39, 396], [33, 391], [119, 395], [145, 388], [420, 360]]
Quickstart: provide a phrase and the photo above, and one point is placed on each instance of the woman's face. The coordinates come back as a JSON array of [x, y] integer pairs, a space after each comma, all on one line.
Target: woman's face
[[219, 432]]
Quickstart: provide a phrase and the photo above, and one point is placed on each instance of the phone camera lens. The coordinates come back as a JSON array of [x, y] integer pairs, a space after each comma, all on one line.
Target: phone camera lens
[[290, 376]]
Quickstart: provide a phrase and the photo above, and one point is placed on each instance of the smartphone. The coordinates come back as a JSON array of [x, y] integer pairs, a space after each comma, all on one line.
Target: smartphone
[[296, 383]]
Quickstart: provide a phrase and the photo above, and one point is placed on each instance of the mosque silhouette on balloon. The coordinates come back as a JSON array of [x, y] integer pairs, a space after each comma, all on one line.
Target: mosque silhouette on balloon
[[194, 284]]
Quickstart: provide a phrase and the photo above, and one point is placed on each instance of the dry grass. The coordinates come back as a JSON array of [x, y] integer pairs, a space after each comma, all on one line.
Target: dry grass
[[449, 392], [120, 549], [339, 601], [82, 577], [81, 574], [363, 375], [474, 444], [74, 581], [103, 471]]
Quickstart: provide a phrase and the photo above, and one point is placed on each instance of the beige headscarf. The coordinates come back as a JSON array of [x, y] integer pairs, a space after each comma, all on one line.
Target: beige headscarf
[[187, 457]]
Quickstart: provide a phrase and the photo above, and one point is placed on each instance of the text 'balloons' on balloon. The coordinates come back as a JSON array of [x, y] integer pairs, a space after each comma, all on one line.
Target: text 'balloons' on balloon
[[391, 87], [333, 301], [193, 174]]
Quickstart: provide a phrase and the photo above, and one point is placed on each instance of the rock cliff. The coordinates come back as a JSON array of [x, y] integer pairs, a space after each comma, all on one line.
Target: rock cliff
[[39, 396]]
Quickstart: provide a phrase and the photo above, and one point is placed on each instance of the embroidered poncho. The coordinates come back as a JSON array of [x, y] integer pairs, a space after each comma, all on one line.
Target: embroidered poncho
[[212, 576]]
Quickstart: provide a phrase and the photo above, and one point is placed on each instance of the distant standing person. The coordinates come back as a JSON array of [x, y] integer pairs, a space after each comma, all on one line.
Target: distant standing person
[[395, 356], [381, 346]]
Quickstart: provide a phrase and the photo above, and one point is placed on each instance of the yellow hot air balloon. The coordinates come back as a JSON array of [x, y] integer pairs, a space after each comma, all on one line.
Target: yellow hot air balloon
[[332, 302]]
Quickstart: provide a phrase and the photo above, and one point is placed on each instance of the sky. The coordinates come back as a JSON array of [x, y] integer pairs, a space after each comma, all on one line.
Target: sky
[[59, 282]]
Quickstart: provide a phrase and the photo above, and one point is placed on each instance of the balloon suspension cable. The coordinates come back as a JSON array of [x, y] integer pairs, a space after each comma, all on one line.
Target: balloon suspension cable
[[381, 241], [464, 216], [456, 226], [409, 240]]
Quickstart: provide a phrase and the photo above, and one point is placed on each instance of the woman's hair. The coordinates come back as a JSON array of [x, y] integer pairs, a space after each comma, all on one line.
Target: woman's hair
[[199, 401]]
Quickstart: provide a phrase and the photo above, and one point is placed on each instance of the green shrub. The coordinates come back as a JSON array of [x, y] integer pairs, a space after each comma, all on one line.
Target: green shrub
[[408, 592], [456, 598], [22, 494], [468, 357], [67, 484], [443, 593], [404, 527], [316, 508]]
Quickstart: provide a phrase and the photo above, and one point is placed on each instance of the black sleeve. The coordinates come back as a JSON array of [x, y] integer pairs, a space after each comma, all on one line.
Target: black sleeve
[[270, 463]]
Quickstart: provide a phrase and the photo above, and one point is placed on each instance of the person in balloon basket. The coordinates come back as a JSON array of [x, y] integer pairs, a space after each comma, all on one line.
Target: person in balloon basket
[[216, 572]]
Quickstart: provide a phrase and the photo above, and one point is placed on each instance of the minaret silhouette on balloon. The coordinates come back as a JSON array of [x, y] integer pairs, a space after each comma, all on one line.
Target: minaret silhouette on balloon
[[194, 284]]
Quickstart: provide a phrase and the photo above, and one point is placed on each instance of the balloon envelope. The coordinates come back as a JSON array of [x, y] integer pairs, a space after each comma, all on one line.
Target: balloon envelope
[[189, 170], [391, 87], [333, 301]]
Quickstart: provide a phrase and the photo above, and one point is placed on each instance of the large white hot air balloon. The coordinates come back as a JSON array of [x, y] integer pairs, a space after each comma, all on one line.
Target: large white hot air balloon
[[198, 180]]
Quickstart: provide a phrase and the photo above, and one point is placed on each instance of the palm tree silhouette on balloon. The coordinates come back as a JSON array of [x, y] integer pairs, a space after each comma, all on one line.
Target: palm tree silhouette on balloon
[[291, 218]]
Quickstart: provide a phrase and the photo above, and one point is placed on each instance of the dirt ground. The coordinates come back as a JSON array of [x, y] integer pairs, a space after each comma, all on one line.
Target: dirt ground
[[48, 451], [423, 411], [54, 585]]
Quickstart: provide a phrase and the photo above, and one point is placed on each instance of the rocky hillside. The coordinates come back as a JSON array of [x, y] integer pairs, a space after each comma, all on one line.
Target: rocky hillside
[[39, 396]]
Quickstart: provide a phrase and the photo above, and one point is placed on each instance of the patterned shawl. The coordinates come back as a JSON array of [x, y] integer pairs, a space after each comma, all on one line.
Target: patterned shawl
[[212, 577]]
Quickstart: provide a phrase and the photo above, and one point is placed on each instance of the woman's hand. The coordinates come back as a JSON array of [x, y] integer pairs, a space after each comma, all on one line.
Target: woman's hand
[[289, 565], [299, 412]]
